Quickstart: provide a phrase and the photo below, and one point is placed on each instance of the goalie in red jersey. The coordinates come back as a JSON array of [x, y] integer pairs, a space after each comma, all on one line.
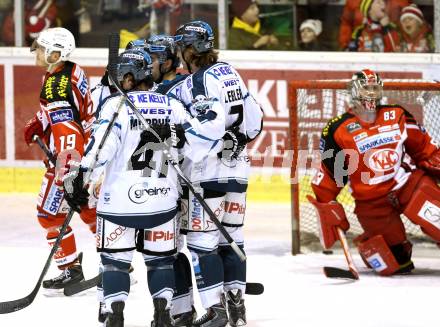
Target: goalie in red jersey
[[390, 164]]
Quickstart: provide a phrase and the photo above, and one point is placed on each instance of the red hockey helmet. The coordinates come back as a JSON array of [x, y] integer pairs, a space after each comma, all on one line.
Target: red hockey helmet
[[366, 90]]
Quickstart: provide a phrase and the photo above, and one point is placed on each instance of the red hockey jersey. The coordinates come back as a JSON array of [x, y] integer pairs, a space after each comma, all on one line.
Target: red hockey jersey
[[66, 108], [373, 159]]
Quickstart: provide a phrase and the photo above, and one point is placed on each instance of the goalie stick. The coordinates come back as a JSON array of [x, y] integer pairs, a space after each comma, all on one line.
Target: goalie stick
[[16, 305], [351, 273], [175, 165]]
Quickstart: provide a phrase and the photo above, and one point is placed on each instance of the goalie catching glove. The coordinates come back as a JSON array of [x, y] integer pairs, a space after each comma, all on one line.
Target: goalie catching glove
[[171, 134], [330, 216], [432, 164], [234, 143]]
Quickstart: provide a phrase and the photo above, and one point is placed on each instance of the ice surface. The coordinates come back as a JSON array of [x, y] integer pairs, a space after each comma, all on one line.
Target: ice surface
[[296, 294]]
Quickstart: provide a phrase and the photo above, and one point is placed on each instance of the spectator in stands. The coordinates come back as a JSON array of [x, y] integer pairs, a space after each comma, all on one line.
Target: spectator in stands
[[246, 33], [377, 33], [126, 36], [310, 30], [416, 33], [39, 15], [352, 17]]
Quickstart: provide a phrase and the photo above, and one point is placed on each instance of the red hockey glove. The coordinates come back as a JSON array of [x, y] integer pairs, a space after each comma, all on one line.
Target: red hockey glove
[[33, 127], [330, 216], [432, 164]]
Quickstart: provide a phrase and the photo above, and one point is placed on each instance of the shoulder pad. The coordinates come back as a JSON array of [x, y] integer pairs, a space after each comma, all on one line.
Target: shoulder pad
[[334, 123]]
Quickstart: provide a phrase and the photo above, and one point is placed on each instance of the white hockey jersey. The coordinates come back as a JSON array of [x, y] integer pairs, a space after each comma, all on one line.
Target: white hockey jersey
[[223, 83], [139, 190]]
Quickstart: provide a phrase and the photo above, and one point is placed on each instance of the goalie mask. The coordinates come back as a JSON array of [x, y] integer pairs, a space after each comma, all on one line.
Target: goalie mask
[[197, 34], [366, 89], [137, 63]]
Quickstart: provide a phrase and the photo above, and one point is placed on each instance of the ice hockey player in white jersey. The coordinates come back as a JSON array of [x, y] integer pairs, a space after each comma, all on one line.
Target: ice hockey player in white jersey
[[137, 206], [163, 51], [222, 178]]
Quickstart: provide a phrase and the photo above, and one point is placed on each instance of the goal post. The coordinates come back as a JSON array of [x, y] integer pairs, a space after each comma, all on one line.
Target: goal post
[[311, 104]]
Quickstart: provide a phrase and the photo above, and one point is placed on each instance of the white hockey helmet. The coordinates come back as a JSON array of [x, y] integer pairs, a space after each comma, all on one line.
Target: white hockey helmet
[[56, 39]]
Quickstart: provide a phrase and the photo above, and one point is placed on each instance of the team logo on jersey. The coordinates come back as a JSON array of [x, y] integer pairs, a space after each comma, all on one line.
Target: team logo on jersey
[[321, 145], [352, 127], [383, 160], [60, 116], [139, 193], [430, 212], [360, 136], [378, 140], [53, 200]]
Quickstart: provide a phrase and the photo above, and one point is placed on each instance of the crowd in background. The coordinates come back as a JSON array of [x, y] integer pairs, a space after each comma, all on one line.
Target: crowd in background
[[359, 25]]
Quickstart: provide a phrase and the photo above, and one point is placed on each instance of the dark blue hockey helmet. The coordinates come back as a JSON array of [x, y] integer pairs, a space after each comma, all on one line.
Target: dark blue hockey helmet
[[136, 62], [136, 44], [197, 34], [164, 46]]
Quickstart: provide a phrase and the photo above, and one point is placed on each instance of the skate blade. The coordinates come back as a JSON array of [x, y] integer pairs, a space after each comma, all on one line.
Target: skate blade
[[53, 292]]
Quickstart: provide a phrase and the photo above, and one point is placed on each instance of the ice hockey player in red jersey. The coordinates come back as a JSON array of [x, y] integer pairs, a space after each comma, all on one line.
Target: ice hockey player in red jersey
[[390, 164], [63, 122]]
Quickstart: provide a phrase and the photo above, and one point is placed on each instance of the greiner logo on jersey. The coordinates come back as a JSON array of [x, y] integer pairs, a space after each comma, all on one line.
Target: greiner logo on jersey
[[53, 200], [378, 140], [61, 116], [139, 192], [384, 159]]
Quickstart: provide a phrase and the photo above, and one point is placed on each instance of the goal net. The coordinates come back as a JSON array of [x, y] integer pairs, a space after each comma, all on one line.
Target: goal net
[[312, 104]]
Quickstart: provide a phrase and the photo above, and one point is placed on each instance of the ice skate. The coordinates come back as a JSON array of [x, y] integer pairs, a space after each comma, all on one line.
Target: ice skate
[[215, 316], [162, 316]]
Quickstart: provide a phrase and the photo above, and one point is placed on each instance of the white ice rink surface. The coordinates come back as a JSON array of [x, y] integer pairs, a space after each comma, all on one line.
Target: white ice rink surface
[[296, 292]]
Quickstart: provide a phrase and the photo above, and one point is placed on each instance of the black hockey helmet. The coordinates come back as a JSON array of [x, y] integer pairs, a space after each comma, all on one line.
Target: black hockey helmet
[[164, 46], [197, 34], [136, 44], [136, 62]]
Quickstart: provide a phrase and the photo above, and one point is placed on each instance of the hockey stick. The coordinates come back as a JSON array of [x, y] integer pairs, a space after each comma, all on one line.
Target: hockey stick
[[45, 150], [175, 165], [351, 273], [69, 290], [15, 305]]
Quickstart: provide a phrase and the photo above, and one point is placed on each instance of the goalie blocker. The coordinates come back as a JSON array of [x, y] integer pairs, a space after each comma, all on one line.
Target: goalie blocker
[[330, 215]]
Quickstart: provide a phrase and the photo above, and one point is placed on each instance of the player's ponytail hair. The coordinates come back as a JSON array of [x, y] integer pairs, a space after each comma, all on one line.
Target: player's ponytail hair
[[203, 59]]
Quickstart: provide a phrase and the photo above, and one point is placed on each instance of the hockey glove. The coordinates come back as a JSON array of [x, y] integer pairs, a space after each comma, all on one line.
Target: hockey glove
[[74, 192], [33, 127], [233, 144], [171, 134], [432, 164]]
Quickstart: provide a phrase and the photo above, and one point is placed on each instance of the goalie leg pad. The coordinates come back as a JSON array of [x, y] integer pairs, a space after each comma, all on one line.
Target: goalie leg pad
[[377, 253], [423, 208]]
